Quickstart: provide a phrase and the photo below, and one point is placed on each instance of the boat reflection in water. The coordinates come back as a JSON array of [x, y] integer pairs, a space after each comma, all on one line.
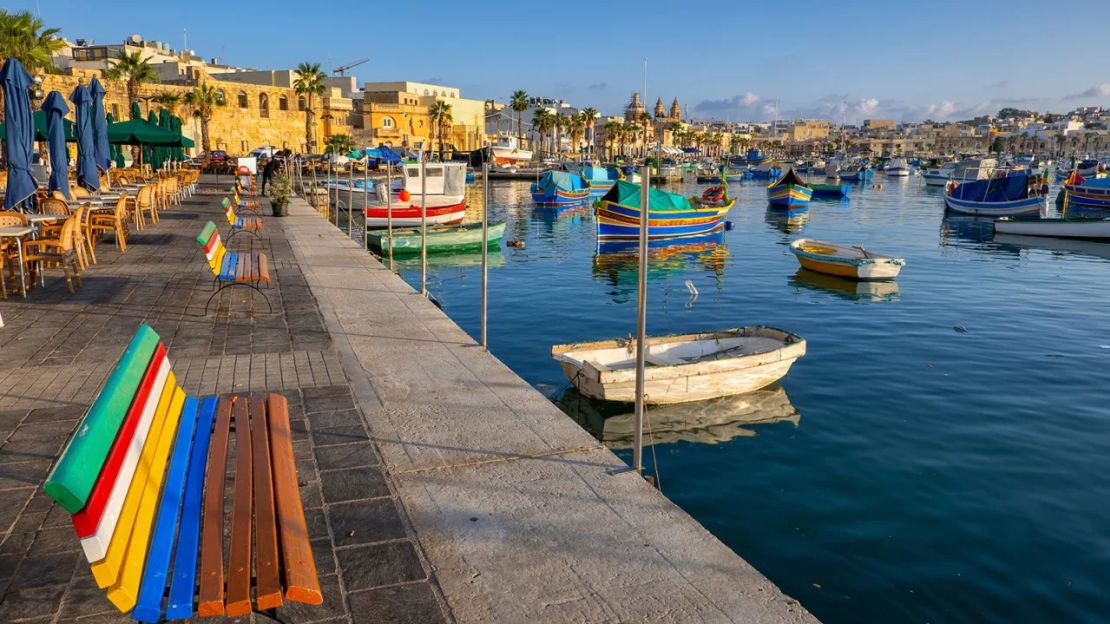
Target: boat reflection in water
[[845, 288], [617, 262], [438, 262], [704, 422], [787, 221], [1061, 246], [956, 229]]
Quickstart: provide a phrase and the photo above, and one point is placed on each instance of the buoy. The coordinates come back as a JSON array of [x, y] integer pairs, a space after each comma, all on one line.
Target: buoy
[[519, 244], [404, 195], [728, 226]]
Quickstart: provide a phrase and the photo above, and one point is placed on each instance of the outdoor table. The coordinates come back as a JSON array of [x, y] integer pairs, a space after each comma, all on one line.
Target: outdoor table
[[35, 219], [18, 232]]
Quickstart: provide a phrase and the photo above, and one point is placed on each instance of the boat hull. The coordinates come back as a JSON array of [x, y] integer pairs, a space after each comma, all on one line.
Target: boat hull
[[690, 388], [1089, 196], [897, 173], [1029, 205], [560, 197], [410, 214], [831, 191], [439, 239], [1091, 229], [618, 222], [935, 179], [789, 196]]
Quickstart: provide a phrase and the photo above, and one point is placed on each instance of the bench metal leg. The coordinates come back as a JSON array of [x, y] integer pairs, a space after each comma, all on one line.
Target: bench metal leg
[[235, 231], [225, 285]]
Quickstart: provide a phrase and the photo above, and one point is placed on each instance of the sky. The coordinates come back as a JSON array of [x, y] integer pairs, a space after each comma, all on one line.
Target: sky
[[727, 60]]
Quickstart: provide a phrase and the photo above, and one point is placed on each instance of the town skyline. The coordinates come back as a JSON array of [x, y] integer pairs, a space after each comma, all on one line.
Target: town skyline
[[843, 79]]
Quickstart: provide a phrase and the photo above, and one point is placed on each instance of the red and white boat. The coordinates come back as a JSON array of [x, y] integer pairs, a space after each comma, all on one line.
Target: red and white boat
[[444, 193]]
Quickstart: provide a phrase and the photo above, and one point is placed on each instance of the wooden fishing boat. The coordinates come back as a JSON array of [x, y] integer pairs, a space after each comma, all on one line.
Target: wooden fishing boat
[[669, 214], [845, 261], [600, 179], [897, 168], [440, 239], [1003, 194], [789, 191], [560, 187], [408, 214], [1097, 228], [1086, 192], [442, 191], [682, 367], [830, 191]]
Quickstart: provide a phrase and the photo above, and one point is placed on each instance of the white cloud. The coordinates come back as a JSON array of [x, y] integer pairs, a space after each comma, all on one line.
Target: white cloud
[[1097, 91]]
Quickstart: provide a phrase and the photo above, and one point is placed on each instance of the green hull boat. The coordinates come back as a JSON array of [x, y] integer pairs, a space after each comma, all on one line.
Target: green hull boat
[[441, 238]]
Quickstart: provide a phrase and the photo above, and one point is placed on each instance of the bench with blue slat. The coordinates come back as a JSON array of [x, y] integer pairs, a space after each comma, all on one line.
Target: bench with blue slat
[[239, 224], [231, 268], [153, 549]]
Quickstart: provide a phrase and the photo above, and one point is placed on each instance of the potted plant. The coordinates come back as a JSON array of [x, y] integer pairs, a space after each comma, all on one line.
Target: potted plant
[[281, 189]]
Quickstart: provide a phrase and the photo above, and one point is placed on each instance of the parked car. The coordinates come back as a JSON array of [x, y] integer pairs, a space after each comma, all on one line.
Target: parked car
[[267, 151]]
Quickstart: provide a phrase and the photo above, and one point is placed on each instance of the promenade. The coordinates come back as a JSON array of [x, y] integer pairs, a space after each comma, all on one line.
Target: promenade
[[438, 485]]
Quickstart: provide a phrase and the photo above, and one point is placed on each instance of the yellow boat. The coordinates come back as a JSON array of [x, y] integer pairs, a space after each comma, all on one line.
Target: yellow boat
[[845, 261]]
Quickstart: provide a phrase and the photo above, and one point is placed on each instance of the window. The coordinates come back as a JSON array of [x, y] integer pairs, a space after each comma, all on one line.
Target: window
[[263, 105], [243, 99], [301, 104], [387, 122], [283, 102]]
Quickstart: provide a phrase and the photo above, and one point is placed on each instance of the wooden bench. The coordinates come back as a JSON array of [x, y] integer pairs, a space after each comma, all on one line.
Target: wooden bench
[[144, 476], [233, 268], [238, 223]]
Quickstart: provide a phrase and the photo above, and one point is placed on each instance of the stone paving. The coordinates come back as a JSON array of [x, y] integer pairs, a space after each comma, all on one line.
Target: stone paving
[[56, 350]]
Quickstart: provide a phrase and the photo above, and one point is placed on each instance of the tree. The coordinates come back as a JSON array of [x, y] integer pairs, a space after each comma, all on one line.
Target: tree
[[204, 100], [543, 121], [589, 118], [577, 127], [23, 37], [310, 83], [440, 112], [613, 132], [339, 144], [519, 103], [168, 100], [134, 70]]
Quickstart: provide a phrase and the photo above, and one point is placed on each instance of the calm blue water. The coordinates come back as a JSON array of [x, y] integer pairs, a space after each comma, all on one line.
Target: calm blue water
[[950, 460]]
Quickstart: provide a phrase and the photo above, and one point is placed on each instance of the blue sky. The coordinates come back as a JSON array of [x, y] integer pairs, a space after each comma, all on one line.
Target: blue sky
[[726, 60]]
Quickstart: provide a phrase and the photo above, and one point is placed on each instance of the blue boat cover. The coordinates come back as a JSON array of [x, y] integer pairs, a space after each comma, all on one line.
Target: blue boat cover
[[596, 174], [384, 153], [561, 181], [1009, 188]]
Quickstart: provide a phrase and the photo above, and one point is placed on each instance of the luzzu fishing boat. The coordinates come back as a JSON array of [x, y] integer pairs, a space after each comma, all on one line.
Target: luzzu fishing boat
[[845, 261], [998, 196], [1089, 193], [833, 191], [600, 179], [439, 239], [669, 215], [789, 191], [559, 188]]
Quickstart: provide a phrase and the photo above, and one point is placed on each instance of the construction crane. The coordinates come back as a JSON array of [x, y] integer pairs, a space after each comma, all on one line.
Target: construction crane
[[342, 69]]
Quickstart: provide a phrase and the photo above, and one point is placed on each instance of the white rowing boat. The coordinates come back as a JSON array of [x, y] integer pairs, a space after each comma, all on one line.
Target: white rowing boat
[[1057, 228], [845, 261], [682, 367]]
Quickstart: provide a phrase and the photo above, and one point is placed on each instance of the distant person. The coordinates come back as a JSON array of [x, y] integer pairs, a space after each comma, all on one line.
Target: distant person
[[268, 172]]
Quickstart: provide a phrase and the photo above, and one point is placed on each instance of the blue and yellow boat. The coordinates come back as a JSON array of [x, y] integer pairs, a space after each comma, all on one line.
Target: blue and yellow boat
[[669, 215], [1088, 193], [600, 179], [559, 188], [789, 191]]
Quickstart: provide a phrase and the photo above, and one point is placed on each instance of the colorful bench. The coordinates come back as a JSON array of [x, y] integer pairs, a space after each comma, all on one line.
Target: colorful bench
[[233, 268], [144, 476], [239, 224]]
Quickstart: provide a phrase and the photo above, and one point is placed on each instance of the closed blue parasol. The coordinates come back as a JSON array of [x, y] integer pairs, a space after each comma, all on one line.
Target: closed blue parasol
[[20, 137], [82, 100], [100, 126], [55, 108]]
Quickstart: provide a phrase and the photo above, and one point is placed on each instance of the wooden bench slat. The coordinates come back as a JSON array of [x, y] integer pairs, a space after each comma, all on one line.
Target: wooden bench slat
[[298, 564], [153, 585], [211, 595], [75, 473], [242, 272], [125, 592], [106, 571], [183, 583], [206, 233], [267, 593], [263, 269], [238, 600], [107, 495]]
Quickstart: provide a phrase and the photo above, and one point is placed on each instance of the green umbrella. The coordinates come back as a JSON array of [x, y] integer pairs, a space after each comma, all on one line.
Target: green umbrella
[[175, 125], [135, 112], [151, 154], [116, 152], [140, 132], [40, 128]]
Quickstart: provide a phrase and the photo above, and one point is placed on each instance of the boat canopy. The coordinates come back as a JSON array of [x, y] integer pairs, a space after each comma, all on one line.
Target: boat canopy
[[595, 173], [998, 189], [790, 178], [560, 181], [628, 194]]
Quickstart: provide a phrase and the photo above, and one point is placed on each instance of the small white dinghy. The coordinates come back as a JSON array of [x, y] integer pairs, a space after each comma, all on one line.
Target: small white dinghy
[[845, 261], [682, 367], [1093, 229]]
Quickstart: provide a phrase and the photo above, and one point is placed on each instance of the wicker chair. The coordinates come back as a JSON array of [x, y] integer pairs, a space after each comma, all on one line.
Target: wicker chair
[[8, 255], [116, 222], [60, 249]]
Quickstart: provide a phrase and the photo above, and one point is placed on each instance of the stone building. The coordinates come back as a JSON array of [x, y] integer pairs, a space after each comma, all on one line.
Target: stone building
[[397, 114]]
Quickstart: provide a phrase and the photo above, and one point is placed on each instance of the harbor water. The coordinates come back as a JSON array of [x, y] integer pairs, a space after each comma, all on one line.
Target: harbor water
[[942, 452]]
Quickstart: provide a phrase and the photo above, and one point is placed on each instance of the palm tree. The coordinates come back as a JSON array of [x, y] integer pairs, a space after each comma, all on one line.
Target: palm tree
[[168, 100], [519, 103], [543, 121], [203, 100], [440, 113], [577, 127], [646, 122], [613, 130], [339, 144], [628, 132], [310, 83], [589, 117], [133, 69], [23, 37]]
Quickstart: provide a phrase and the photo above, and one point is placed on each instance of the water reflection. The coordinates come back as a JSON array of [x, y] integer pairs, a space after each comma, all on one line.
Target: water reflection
[[450, 260], [845, 288], [955, 229], [617, 262], [787, 221], [704, 422], [1060, 246]]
